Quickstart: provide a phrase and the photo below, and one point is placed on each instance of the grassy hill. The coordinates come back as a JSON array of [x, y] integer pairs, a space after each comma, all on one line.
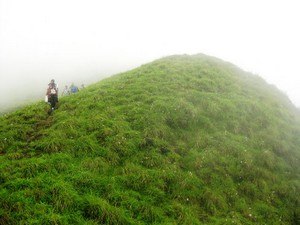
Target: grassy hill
[[181, 140]]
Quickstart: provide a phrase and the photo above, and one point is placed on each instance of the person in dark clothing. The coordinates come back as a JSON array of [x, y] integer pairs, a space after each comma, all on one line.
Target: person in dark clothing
[[52, 93]]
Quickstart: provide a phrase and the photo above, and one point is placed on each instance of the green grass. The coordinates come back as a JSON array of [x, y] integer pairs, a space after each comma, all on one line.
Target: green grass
[[181, 140]]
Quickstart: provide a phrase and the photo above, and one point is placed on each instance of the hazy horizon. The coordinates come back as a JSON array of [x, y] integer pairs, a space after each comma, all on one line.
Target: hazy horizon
[[85, 41]]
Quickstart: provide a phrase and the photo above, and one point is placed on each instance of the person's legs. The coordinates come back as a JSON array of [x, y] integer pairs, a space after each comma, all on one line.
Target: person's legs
[[52, 101]]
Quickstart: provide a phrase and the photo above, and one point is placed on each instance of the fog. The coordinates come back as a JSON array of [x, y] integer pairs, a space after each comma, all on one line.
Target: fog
[[83, 41]]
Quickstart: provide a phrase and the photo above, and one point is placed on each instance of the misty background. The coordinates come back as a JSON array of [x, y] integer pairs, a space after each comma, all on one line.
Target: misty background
[[83, 41]]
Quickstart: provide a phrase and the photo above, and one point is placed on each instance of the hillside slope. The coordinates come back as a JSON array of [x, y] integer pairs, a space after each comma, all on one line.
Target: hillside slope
[[181, 140]]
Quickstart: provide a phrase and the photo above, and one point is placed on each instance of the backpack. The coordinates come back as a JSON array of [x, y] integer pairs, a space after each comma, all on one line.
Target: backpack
[[74, 89]]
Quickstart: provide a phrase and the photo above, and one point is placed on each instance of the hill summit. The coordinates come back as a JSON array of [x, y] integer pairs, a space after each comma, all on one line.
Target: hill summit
[[182, 140]]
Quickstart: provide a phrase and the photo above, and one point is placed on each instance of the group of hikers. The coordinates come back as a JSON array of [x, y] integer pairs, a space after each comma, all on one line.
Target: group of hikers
[[71, 90], [52, 93]]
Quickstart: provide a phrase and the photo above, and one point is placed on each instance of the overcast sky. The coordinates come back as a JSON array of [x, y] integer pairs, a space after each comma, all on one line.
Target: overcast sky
[[84, 40]]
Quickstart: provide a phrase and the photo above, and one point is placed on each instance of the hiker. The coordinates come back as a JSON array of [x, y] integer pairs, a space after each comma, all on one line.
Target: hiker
[[66, 91], [52, 94], [74, 88]]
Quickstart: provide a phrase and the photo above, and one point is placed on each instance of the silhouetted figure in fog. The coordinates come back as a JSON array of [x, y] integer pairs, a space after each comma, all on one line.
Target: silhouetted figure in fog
[[52, 93], [74, 88], [66, 91]]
